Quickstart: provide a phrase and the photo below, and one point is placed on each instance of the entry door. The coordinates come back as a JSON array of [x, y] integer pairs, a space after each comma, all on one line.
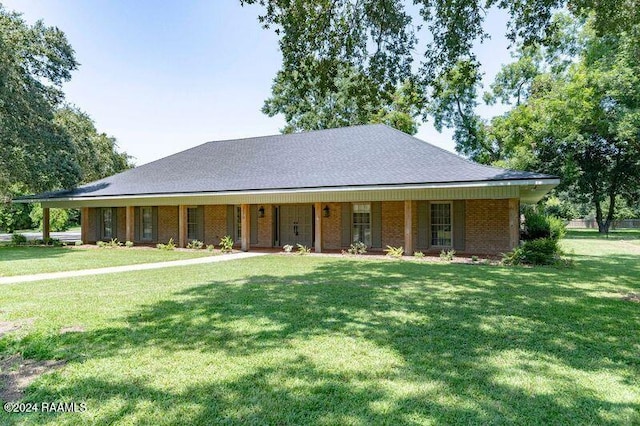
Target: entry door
[[296, 225]]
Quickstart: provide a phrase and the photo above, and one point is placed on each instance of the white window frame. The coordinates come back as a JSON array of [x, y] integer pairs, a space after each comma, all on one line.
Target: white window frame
[[450, 203], [142, 223], [353, 223]]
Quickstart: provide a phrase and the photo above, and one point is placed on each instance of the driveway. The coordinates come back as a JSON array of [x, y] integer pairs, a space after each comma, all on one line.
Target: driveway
[[68, 236]]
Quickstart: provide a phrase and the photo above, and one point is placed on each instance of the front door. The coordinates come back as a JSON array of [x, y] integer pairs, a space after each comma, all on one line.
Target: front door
[[296, 224]]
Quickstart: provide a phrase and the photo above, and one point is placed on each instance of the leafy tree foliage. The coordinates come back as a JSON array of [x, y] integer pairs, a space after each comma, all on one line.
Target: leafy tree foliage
[[580, 120], [342, 60], [34, 62]]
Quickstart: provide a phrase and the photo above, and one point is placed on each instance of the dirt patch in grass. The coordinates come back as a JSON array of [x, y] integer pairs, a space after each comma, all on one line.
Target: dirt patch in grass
[[632, 297], [9, 326], [72, 329], [17, 373]]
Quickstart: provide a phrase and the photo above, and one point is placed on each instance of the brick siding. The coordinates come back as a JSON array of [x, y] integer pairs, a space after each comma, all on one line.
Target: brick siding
[[167, 223], [215, 223]]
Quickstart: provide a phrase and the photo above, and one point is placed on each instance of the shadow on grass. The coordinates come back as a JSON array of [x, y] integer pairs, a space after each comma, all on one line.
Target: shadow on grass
[[617, 234], [472, 344]]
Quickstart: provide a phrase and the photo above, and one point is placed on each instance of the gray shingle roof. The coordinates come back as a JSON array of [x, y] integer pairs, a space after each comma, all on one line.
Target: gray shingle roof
[[344, 157]]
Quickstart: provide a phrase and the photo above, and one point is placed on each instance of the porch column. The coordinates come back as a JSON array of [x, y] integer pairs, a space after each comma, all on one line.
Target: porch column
[[514, 223], [182, 226], [408, 227], [318, 230], [130, 215], [45, 223], [245, 226], [84, 224]]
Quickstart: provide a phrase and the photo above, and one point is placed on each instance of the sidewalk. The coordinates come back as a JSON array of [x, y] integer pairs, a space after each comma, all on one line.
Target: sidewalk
[[125, 268]]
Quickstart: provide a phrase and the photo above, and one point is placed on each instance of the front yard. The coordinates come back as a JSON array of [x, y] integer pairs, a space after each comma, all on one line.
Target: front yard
[[34, 260], [325, 340]]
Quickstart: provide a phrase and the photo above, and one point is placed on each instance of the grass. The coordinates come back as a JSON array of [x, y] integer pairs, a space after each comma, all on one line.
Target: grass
[[33, 260], [319, 340]]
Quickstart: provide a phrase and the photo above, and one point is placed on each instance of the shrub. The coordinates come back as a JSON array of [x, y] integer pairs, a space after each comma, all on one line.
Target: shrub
[[357, 248], [79, 243], [128, 244], [474, 258], [195, 244], [542, 251], [303, 250], [18, 239], [211, 247], [226, 244], [538, 225], [418, 254], [169, 246], [447, 255], [287, 248], [394, 251], [101, 244], [58, 218]]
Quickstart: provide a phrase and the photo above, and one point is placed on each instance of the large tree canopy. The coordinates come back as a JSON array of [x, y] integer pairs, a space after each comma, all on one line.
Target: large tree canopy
[[34, 62], [342, 60], [579, 119]]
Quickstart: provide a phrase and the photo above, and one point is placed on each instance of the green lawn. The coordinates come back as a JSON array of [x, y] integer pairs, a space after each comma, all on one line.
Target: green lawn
[[33, 260], [320, 340]]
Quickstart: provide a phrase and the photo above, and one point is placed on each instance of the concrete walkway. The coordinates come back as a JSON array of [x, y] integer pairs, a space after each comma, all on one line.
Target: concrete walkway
[[126, 268]]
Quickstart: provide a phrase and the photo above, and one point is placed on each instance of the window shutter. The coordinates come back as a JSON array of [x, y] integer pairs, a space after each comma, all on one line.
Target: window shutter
[[230, 221], [200, 223], [137, 224], [423, 224], [458, 218], [114, 223], [154, 224], [253, 233], [376, 224], [346, 224], [98, 224]]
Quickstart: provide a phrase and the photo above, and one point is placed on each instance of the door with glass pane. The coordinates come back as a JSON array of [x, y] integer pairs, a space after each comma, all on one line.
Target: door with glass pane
[[361, 223]]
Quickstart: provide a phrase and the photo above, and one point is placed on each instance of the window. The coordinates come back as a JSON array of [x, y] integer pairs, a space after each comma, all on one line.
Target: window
[[238, 227], [146, 216], [192, 223], [107, 223], [362, 223], [441, 224]]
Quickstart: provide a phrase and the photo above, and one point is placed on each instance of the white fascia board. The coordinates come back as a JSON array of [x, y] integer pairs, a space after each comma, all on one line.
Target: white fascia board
[[472, 184]]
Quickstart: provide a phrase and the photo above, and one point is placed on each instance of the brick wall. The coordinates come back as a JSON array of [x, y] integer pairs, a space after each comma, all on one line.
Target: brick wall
[[488, 226], [393, 223], [215, 223], [121, 224], [265, 227], [332, 227], [167, 223], [92, 230]]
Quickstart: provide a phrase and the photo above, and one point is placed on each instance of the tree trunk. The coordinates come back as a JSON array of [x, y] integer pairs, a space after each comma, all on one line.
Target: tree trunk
[[612, 210], [603, 227]]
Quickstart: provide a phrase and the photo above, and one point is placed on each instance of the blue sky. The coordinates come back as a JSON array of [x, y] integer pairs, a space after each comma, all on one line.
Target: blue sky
[[165, 76]]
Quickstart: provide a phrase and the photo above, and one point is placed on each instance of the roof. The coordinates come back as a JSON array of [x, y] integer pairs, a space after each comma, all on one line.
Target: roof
[[367, 155]]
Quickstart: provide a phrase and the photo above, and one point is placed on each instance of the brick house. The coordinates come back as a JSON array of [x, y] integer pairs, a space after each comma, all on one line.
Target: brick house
[[323, 189]]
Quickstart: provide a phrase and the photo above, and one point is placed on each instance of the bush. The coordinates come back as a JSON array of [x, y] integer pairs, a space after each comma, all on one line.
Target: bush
[[418, 254], [58, 218], [18, 239], [128, 244], [542, 251], [447, 255], [226, 244], [394, 251], [302, 250], [538, 225], [357, 248], [195, 244], [211, 247], [169, 246], [287, 248], [15, 216]]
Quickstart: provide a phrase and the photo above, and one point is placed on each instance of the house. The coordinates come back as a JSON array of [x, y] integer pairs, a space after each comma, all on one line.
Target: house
[[324, 189]]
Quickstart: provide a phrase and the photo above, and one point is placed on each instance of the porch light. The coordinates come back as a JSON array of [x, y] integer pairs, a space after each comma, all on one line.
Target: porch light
[[326, 212], [261, 211]]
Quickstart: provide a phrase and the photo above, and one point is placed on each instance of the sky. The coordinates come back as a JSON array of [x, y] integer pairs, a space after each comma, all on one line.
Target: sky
[[164, 76]]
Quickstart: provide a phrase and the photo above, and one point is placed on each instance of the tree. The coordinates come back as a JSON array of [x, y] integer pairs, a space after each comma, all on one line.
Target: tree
[[96, 153], [34, 62], [348, 57], [580, 121]]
